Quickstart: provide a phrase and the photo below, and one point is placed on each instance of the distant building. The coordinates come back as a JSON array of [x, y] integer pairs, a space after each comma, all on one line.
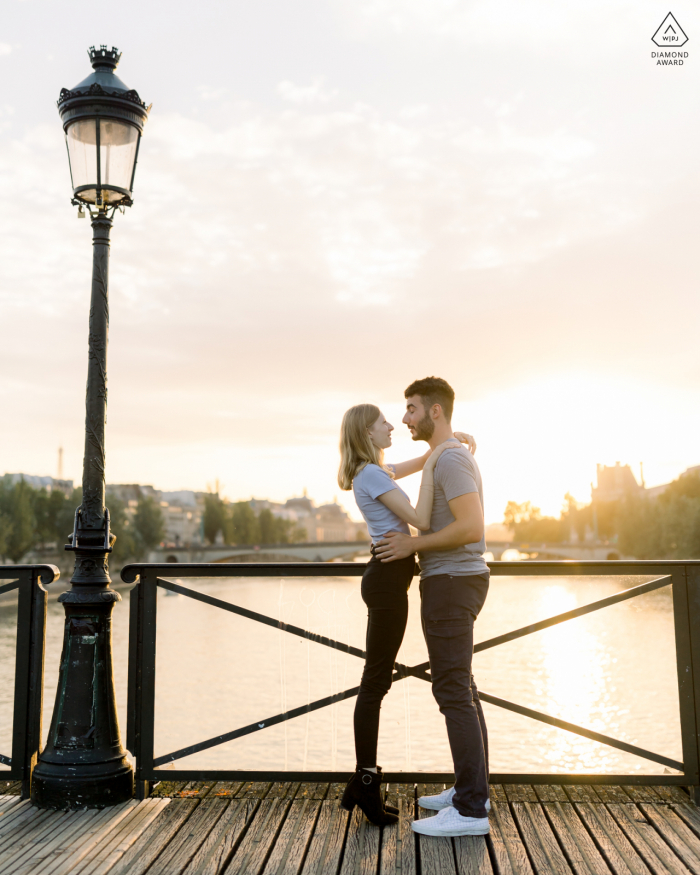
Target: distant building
[[614, 483], [37, 482], [329, 522], [182, 510]]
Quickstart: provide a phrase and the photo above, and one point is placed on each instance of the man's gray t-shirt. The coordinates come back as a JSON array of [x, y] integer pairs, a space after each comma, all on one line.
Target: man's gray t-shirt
[[456, 473]]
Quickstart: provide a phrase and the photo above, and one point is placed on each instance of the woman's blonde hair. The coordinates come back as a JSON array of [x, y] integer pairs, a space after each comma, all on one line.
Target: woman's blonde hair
[[356, 447]]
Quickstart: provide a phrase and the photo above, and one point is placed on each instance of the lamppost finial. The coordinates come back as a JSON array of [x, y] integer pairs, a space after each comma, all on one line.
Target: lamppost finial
[[104, 57]]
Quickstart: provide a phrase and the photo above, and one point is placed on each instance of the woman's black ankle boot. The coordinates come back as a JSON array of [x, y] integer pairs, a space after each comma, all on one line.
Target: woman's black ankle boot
[[363, 790]]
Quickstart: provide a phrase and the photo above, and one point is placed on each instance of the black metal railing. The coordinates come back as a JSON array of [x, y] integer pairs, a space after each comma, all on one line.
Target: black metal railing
[[29, 667], [682, 577]]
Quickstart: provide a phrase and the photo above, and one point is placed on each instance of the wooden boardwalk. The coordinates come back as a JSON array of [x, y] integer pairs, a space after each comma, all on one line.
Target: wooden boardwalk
[[299, 829]]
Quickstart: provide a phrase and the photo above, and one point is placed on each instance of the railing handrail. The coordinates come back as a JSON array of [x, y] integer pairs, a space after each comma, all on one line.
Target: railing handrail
[[131, 572], [46, 573]]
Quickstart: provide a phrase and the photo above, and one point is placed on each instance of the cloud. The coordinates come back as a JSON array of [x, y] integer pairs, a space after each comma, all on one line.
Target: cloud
[[539, 24], [314, 93], [5, 48]]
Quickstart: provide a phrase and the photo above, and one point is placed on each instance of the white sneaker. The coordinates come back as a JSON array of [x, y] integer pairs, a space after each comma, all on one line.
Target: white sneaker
[[449, 822], [442, 800]]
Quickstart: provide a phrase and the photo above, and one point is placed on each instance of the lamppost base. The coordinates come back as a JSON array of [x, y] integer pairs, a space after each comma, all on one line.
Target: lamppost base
[[65, 787]]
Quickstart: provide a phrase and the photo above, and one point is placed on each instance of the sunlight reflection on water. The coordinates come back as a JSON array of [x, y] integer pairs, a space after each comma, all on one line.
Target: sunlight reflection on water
[[217, 672]]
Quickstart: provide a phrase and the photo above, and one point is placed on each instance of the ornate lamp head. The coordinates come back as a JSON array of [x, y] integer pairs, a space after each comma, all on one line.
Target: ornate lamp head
[[103, 122]]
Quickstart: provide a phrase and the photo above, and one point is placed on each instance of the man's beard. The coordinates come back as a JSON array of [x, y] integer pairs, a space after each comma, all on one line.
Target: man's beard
[[424, 430]]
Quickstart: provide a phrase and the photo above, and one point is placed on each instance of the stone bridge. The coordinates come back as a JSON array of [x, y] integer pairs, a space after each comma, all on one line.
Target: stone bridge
[[347, 551], [318, 551], [556, 551]]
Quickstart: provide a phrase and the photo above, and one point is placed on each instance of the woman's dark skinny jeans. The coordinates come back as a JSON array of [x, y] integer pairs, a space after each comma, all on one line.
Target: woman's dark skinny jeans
[[385, 592]]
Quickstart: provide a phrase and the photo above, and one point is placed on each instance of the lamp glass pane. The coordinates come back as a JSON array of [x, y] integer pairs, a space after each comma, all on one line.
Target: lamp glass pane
[[117, 155], [82, 153]]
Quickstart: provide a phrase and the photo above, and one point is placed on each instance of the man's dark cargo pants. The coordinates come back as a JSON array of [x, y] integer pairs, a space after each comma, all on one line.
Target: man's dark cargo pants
[[449, 606]]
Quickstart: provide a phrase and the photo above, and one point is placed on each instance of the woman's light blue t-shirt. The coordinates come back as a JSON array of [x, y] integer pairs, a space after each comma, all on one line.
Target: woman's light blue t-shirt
[[371, 482]]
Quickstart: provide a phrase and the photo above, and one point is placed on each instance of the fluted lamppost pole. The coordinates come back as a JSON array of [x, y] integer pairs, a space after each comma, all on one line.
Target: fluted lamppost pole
[[84, 763]]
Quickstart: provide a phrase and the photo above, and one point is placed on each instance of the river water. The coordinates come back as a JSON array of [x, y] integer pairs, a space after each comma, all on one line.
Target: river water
[[612, 671]]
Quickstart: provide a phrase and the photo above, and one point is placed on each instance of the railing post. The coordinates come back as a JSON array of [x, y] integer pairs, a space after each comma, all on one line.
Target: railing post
[[691, 579], [133, 699], [29, 676], [142, 679]]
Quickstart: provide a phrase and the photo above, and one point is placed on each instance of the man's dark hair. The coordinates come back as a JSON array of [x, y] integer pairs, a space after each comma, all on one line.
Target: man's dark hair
[[433, 390]]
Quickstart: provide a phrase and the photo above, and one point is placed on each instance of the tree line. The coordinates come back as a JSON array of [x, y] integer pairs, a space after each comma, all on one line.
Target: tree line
[[663, 527], [33, 518], [238, 523]]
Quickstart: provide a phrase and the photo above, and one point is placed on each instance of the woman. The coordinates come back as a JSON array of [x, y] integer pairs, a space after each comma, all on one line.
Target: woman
[[365, 434]]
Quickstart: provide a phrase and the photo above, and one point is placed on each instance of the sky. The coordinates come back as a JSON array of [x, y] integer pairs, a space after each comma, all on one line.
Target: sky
[[336, 197]]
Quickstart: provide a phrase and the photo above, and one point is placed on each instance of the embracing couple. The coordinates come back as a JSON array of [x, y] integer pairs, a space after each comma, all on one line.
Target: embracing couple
[[454, 581]]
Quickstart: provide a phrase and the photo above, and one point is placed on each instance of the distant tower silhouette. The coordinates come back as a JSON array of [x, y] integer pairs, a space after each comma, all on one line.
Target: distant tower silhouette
[[59, 474]]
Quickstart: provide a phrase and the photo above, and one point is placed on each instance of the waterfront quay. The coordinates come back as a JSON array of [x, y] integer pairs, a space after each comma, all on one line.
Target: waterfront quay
[[271, 828]]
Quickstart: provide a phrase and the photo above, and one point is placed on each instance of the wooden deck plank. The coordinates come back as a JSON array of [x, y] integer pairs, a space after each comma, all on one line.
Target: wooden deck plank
[[283, 790], [57, 836], [11, 807], [436, 853], [151, 843], [673, 794], [317, 791], [189, 838], [68, 852], [506, 845], [620, 855], [254, 789], [689, 814], [398, 851], [37, 829], [581, 853], [193, 790], [520, 793], [228, 789], [167, 788], [472, 856], [646, 841], [354, 842], [122, 838], [10, 788], [8, 802], [327, 843], [640, 793], [8, 824], [497, 793], [611, 793], [15, 818], [361, 855], [290, 848], [213, 854], [252, 853], [671, 828], [583, 793], [543, 849], [369, 860], [550, 793]]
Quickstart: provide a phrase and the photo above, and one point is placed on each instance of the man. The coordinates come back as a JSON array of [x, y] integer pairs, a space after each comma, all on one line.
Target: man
[[454, 584]]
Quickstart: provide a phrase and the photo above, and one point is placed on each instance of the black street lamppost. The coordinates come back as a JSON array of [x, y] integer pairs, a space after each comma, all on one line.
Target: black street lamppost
[[84, 763]]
